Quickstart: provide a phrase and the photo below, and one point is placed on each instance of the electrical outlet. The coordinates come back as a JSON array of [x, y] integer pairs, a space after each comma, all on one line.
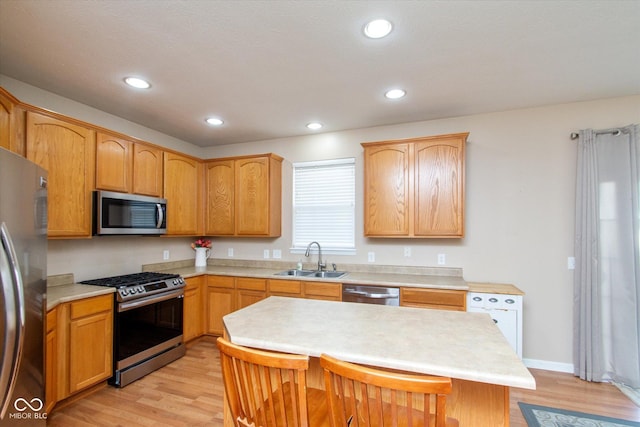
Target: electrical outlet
[[371, 257], [266, 254], [277, 253], [230, 252], [407, 251], [165, 254], [571, 263], [442, 259]]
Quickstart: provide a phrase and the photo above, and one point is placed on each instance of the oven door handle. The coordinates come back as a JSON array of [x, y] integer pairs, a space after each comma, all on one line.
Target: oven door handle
[[152, 299]]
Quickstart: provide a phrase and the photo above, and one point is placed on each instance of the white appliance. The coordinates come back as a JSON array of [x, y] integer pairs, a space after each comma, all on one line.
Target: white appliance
[[506, 312]]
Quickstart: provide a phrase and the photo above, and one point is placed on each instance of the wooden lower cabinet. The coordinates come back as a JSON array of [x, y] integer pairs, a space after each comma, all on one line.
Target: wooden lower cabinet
[[442, 299], [285, 288], [193, 308], [220, 301], [84, 344], [249, 291], [328, 291], [50, 359]]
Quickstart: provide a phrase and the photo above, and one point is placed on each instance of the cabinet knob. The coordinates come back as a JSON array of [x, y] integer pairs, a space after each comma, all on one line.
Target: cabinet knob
[[493, 299], [494, 321], [477, 298], [509, 301]]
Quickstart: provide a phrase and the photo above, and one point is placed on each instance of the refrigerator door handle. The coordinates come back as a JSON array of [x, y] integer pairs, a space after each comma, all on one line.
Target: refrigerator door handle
[[13, 342]]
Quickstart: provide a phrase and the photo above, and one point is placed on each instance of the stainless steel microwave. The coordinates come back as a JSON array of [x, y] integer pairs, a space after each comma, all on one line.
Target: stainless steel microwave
[[122, 213]]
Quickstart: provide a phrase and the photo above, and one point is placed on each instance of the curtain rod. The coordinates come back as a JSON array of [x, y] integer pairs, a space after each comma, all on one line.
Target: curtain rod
[[615, 132]]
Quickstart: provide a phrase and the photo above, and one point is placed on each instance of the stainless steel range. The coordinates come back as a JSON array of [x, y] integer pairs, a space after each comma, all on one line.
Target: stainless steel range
[[147, 323]]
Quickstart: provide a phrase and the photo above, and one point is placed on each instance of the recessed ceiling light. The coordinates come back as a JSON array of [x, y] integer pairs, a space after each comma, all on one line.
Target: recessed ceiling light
[[137, 83], [378, 28], [314, 125], [395, 93], [214, 121]]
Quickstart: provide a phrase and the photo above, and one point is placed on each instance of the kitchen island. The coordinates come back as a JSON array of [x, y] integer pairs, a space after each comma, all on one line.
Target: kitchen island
[[467, 347]]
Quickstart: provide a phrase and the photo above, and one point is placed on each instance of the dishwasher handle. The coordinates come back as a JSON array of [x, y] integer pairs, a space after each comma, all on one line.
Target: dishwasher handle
[[366, 294]]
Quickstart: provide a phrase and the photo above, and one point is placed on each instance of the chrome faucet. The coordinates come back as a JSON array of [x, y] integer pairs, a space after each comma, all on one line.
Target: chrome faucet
[[321, 265]]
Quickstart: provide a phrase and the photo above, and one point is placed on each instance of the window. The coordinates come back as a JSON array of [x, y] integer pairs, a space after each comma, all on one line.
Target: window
[[324, 205]]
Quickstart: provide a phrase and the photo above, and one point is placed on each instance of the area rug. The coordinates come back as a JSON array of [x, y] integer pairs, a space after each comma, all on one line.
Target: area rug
[[543, 416]]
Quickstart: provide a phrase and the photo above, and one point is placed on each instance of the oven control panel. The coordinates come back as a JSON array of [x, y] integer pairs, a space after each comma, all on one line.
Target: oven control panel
[[128, 293]]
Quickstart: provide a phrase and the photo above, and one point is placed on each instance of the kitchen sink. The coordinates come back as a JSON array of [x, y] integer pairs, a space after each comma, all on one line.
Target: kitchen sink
[[294, 272], [329, 274], [312, 273]]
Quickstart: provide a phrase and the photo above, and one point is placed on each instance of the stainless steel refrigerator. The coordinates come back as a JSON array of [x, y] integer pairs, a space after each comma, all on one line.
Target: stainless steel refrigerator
[[23, 278]]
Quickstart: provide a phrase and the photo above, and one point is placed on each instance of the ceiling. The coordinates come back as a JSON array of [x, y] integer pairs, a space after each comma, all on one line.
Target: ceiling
[[267, 68]]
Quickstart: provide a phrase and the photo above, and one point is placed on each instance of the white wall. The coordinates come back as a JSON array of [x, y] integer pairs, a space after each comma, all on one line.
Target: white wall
[[519, 216]]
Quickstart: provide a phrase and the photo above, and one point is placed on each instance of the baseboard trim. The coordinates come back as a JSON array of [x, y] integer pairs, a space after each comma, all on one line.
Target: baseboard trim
[[549, 366]]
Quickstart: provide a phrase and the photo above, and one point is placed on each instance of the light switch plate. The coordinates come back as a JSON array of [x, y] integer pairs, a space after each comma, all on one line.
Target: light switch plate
[[571, 263], [277, 253], [165, 254], [442, 259], [266, 254], [230, 252], [371, 257]]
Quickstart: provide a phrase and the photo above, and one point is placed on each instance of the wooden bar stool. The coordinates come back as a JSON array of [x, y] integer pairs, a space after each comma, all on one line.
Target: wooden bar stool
[[269, 389], [360, 396]]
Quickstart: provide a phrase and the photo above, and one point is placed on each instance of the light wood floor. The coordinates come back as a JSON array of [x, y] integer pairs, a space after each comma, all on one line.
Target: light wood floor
[[188, 392]]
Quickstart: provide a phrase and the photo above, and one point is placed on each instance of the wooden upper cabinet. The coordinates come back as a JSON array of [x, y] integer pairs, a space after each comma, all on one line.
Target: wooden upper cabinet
[[386, 190], [258, 196], [244, 196], [11, 123], [67, 152], [127, 166], [220, 191], [415, 187], [439, 182], [182, 177], [147, 170], [114, 163]]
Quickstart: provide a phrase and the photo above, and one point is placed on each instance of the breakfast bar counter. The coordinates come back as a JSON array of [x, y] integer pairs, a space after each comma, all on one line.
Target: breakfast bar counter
[[467, 347]]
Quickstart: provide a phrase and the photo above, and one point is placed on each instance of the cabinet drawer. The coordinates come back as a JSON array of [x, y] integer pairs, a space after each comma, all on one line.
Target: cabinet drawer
[[89, 306], [251, 284], [433, 298], [221, 281], [323, 289], [285, 286], [52, 320]]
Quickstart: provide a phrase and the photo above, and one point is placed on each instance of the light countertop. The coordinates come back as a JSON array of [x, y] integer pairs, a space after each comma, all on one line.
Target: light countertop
[[461, 345], [360, 278], [73, 291]]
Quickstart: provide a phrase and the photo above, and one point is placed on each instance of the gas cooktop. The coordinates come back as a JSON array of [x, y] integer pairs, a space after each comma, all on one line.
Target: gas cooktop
[[137, 285]]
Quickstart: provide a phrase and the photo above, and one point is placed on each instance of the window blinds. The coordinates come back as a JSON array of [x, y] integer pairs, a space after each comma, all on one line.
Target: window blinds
[[324, 204]]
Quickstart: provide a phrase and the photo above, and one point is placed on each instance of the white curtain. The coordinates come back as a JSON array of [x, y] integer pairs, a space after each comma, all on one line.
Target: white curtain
[[607, 239]]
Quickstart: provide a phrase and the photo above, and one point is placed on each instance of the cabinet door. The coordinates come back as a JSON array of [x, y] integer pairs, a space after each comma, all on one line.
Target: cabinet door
[[66, 151], [252, 196], [386, 190], [439, 192], [250, 290], [220, 212], [441, 299], [285, 288], [147, 170], [114, 162], [6, 114], [220, 302], [90, 342], [323, 290], [51, 360], [193, 308], [182, 191]]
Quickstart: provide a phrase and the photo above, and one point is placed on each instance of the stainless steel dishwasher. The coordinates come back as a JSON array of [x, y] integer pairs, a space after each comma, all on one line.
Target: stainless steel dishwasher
[[380, 295]]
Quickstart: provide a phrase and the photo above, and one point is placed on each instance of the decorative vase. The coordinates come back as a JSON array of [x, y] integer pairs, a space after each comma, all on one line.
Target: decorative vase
[[201, 256]]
